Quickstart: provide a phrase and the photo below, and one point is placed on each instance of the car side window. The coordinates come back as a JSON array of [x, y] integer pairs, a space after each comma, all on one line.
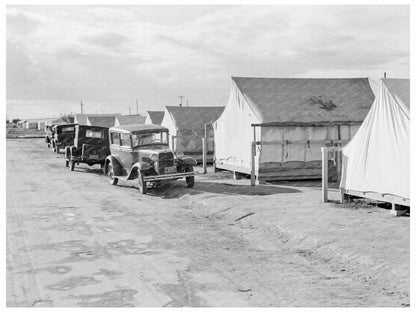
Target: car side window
[[125, 139], [114, 138]]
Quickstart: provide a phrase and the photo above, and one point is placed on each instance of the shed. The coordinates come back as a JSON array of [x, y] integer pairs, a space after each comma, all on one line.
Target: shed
[[376, 162], [130, 120], [187, 128], [101, 121], [289, 119], [31, 124], [154, 117]]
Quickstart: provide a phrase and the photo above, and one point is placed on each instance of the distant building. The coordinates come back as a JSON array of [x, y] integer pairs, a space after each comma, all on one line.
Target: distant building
[[154, 117]]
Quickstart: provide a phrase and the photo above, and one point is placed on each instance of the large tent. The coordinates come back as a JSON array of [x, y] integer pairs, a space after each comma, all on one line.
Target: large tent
[[376, 163], [290, 119], [187, 127]]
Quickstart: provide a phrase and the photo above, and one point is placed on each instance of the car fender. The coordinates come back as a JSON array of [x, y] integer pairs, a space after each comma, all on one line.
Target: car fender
[[189, 161], [117, 167], [141, 166]]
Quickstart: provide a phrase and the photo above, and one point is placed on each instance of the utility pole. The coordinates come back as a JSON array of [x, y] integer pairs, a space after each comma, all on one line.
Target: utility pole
[[385, 75], [137, 106], [129, 110], [181, 97], [82, 108]]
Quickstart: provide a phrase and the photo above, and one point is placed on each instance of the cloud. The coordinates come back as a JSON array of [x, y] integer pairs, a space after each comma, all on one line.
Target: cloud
[[120, 53]]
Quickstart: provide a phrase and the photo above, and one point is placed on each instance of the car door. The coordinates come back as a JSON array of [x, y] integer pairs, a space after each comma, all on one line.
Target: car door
[[126, 151]]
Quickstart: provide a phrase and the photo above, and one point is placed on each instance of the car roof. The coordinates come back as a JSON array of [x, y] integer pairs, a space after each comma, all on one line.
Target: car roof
[[138, 128], [92, 127], [66, 125]]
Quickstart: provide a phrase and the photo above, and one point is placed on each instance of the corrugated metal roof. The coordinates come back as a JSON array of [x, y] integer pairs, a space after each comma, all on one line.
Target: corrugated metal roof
[[192, 118], [156, 117], [304, 100], [131, 119], [104, 121], [400, 88]]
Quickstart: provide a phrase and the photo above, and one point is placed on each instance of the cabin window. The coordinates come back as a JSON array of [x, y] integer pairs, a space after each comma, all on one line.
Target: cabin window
[[114, 138], [125, 140], [98, 134]]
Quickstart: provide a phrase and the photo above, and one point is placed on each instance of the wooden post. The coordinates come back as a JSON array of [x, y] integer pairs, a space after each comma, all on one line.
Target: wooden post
[[204, 155], [253, 163], [324, 174]]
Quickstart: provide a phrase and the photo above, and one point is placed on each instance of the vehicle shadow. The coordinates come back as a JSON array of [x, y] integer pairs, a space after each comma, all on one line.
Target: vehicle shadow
[[178, 189]]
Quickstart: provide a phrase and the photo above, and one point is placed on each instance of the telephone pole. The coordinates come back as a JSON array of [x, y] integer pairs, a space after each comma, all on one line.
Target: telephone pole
[[129, 110], [181, 97], [82, 108], [137, 106]]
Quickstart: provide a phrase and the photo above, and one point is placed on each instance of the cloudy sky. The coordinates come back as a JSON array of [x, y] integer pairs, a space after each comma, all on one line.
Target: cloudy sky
[[109, 56]]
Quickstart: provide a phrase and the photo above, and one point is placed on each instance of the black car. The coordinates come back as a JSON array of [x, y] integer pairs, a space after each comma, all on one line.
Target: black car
[[91, 146], [63, 136]]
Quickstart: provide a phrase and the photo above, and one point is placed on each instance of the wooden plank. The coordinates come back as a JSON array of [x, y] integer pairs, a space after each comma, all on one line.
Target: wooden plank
[[324, 174], [303, 142], [204, 155]]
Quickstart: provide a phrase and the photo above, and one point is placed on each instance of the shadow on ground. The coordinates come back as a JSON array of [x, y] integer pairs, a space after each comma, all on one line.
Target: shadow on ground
[[178, 189]]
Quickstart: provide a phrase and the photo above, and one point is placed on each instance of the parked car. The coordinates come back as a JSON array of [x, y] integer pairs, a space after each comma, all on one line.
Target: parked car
[[91, 146], [63, 136], [142, 153]]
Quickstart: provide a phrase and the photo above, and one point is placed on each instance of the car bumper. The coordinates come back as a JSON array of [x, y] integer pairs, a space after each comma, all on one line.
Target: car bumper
[[168, 176]]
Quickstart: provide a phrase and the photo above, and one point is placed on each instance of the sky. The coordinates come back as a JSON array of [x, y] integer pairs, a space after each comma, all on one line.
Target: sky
[[110, 56]]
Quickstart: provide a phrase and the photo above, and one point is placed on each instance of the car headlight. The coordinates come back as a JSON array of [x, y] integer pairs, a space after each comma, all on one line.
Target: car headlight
[[179, 154], [154, 157]]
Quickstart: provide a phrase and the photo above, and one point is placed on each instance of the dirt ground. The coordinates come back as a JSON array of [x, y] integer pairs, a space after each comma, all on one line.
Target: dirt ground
[[75, 240]]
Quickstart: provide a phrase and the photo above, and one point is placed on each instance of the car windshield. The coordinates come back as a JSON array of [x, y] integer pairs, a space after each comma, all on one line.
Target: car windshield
[[148, 138]]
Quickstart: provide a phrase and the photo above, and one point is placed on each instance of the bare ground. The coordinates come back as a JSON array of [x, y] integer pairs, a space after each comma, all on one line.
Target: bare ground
[[75, 240]]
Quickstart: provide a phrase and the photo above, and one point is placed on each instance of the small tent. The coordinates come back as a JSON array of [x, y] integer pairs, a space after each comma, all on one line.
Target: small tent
[[130, 120], [289, 120], [82, 119], [187, 126], [102, 121], [376, 163], [154, 117]]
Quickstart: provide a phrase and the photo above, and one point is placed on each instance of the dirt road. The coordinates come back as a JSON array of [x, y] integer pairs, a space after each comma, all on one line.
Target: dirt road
[[75, 240]]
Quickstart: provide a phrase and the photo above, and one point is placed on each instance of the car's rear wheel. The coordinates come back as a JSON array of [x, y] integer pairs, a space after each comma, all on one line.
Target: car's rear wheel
[[142, 183], [111, 179], [190, 181]]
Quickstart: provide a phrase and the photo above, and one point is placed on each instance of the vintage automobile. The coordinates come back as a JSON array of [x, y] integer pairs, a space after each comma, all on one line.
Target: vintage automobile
[[63, 136], [142, 153], [91, 146]]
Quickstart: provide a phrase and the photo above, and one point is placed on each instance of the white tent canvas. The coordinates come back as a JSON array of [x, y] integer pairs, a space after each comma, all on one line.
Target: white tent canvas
[[376, 162]]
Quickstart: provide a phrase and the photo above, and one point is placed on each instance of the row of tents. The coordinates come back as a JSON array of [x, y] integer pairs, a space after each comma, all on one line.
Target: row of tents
[[276, 127]]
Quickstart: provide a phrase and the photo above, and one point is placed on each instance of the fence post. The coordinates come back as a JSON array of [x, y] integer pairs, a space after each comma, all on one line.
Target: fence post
[[324, 174], [253, 163], [204, 155]]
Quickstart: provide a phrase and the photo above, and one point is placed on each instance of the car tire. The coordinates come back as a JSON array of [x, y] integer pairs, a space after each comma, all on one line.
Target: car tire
[[110, 175], [142, 183], [66, 163], [190, 181], [72, 165]]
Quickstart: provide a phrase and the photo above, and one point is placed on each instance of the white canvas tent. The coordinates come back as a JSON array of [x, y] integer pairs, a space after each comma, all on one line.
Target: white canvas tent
[[376, 162], [289, 120]]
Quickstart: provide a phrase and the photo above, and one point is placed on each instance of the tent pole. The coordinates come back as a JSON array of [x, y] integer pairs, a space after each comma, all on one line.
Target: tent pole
[[204, 155], [324, 151]]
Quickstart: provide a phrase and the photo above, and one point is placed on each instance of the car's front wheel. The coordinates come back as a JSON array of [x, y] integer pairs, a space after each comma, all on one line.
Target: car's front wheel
[[142, 183], [190, 181], [110, 174]]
